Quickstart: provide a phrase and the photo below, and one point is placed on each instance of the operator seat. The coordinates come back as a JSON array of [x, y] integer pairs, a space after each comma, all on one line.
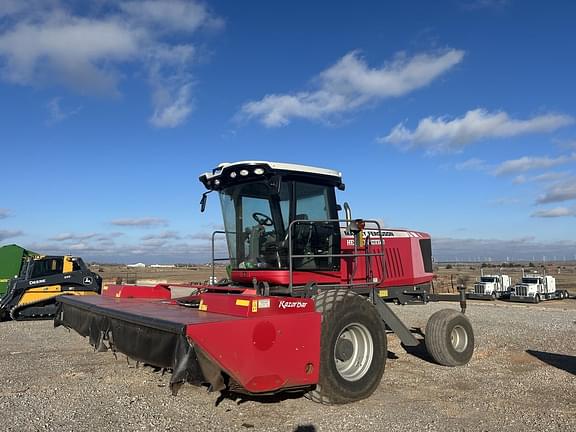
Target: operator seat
[[302, 243]]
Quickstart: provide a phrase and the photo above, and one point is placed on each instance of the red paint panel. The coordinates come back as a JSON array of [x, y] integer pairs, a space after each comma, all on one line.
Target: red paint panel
[[159, 291], [254, 306], [281, 277], [264, 354]]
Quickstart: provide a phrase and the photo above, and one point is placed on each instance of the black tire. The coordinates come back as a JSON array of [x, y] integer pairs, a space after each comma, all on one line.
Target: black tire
[[449, 338], [346, 314], [493, 296], [566, 294], [537, 298]]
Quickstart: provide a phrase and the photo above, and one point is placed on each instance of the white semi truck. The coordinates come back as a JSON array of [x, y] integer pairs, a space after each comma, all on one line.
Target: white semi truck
[[491, 287], [535, 287]]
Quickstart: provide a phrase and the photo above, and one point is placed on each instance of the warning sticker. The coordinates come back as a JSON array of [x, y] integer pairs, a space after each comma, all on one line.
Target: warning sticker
[[264, 303]]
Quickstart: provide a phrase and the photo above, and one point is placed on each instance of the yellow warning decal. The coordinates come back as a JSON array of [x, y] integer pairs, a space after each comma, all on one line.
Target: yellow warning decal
[[242, 302], [254, 305], [202, 306], [383, 293]]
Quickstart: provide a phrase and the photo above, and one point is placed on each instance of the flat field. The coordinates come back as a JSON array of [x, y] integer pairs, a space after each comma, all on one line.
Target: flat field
[[448, 275], [522, 377]]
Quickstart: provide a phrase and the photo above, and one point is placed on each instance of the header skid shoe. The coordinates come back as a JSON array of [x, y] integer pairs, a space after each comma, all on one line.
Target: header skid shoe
[[250, 344]]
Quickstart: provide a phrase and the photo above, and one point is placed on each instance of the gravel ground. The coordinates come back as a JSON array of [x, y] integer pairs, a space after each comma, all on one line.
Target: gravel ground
[[522, 377]]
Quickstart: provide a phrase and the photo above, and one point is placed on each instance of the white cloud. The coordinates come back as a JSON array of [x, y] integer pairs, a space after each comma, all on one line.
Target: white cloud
[[558, 192], [440, 134], [6, 234], [175, 15], [165, 235], [521, 179], [551, 176], [151, 251], [67, 51], [528, 163], [4, 213], [351, 84], [473, 164], [555, 212], [56, 113], [43, 44], [526, 248], [140, 222], [542, 178], [171, 83], [70, 236]]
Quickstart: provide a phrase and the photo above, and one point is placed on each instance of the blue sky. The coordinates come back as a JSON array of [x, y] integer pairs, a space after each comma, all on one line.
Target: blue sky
[[457, 118]]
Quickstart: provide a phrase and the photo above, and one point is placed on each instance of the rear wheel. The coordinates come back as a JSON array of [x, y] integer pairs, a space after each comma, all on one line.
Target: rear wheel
[[352, 348], [449, 338], [566, 294]]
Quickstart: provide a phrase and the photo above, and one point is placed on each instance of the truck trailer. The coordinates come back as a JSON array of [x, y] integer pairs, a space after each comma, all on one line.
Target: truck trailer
[[491, 287], [535, 287], [307, 306]]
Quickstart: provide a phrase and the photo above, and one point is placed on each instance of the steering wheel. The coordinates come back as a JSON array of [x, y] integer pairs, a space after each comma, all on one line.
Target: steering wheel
[[262, 219]]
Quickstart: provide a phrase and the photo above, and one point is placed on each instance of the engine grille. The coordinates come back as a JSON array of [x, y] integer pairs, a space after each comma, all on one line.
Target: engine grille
[[478, 289], [521, 290]]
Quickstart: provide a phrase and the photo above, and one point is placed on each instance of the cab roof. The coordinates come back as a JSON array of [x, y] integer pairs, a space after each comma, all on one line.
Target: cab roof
[[227, 173]]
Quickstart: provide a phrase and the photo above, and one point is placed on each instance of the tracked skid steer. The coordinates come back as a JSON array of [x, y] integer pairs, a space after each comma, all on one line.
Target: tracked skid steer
[[32, 294], [307, 307]]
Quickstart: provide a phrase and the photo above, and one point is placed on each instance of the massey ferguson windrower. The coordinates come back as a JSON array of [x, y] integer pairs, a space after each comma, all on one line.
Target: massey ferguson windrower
[[306, 309]]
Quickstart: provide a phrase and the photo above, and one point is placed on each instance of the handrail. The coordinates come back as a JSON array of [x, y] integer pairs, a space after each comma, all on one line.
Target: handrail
[[213, 257], [292, 256], [354, 255]]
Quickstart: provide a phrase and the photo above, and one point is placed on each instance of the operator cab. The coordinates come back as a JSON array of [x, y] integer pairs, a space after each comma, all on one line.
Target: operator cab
[[262, 201], [488, 279], [532, 280]]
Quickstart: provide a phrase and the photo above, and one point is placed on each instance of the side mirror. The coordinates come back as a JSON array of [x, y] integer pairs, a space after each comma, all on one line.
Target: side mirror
[[276, 183], [203, 201]]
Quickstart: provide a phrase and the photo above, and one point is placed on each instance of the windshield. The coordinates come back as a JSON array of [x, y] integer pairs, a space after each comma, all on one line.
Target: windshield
[[488, 279], [530, 280], [257, 216]]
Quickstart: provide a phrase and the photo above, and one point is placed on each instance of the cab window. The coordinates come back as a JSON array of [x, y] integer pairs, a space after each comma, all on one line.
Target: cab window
[[47, 267]]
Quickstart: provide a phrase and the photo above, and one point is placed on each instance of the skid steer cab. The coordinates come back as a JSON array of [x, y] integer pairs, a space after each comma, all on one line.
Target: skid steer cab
[[308, 303], [32, 295]]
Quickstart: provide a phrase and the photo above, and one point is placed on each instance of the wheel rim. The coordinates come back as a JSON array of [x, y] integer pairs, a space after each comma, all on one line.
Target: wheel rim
[[353, 352], [459, 338]]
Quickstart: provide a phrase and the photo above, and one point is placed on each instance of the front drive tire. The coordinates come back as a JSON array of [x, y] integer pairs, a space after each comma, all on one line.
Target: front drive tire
[[352, 348], [449, 338]]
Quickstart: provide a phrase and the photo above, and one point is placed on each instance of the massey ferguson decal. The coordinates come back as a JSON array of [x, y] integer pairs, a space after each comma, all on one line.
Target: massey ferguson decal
[[284, 304]]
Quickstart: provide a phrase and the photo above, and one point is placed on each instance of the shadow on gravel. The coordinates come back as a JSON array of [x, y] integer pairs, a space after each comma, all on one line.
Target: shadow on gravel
[[240, 399], [560, 361], [419, 350], [305, 428]]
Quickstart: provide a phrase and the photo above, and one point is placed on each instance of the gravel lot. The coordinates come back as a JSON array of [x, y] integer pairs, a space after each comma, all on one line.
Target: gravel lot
[[522, 377]]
